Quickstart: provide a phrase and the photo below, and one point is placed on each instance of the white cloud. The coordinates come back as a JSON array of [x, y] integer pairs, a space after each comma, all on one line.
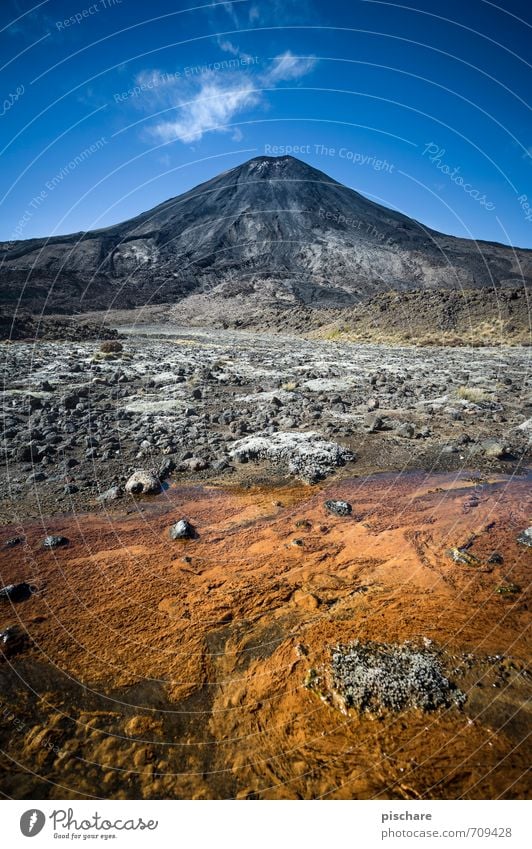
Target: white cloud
[[213, 109], [210, 101], [228, 46], [286, 66]]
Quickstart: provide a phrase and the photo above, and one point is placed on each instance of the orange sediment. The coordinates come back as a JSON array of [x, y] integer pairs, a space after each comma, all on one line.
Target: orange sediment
[[171, 669]]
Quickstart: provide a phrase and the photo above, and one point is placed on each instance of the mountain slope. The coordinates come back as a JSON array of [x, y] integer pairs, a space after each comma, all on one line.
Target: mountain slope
[[273, 228]]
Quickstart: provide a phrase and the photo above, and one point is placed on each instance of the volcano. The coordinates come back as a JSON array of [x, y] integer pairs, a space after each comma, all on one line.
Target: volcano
[[273, 228]]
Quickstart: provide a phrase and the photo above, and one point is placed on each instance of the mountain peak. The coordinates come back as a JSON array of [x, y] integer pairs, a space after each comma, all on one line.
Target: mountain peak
[[275, 226], [279, 168]]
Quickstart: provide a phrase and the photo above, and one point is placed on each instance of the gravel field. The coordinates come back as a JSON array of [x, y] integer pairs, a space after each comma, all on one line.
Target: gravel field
[[235, 406]]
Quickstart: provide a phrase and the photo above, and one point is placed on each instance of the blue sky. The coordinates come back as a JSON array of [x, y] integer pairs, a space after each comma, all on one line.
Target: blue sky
[[112, 107]]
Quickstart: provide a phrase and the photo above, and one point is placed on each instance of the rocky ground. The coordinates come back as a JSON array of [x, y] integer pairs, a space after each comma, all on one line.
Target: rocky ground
[[214, 542], [237, 407]]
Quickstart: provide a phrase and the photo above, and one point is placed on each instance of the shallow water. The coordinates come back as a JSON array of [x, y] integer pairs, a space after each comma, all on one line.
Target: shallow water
[[177, 669]]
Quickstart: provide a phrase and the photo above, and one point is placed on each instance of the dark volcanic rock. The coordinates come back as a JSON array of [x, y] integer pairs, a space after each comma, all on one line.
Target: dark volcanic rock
[[165, 469], [13, 640], [11, 543], [16, 592]]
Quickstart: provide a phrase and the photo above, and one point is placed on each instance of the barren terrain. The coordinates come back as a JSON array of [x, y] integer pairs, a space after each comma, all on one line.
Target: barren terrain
[[218, 665]]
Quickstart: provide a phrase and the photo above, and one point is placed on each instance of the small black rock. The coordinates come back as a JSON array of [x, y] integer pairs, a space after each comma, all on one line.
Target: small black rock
[[16, 592], [10, 543], [166, 469], [13, 640], [496, 557]]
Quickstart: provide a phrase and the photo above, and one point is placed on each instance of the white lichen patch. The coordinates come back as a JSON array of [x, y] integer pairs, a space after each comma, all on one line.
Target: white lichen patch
[[307, 455]]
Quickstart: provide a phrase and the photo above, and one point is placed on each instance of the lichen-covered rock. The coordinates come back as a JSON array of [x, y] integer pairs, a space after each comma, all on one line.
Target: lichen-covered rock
[[495, 449], [143, 482], [307, 455], [375, 677], [54, 541], [525, 537], [461, 555], [338, 508], [181, 530]]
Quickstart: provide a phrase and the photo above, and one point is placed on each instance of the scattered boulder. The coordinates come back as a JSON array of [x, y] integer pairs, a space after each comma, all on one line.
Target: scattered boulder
[[111, 494], [496, 558], [11, 543], [406, 430], [181, 530], [508, 589], [13, 640], [16, 592], [54, 541], [378, 677], [143, 482], [494, 449], [525, 537], [70, 401], [338, 508], [192, 464], [28, 452], [449, 449], [221, 465], [373, 422], [111, 346], [307, 455]]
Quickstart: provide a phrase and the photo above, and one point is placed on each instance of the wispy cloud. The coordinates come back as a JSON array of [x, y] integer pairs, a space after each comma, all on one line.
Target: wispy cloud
[[228, 46], [286, 66], [213, 109], [211, 102]]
